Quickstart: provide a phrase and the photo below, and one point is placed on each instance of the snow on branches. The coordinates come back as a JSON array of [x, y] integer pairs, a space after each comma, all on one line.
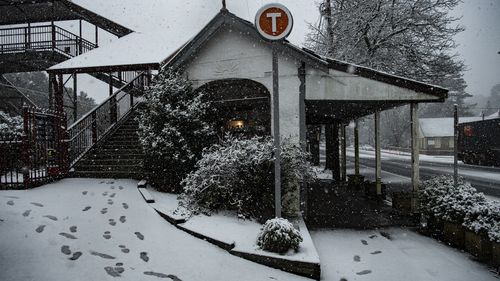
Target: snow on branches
[[10, 126], [174, 128], [238, 174], [278, 235]]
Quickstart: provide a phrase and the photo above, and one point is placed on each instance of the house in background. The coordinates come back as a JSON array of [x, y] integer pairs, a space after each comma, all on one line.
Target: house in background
[[436, 134]]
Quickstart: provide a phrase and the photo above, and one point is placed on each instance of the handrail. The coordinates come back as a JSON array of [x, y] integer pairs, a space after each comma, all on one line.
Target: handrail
[[107, 99], [43, 37], [94, 125]]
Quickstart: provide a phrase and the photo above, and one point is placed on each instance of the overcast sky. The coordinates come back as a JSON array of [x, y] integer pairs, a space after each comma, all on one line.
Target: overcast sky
[[479, 44]]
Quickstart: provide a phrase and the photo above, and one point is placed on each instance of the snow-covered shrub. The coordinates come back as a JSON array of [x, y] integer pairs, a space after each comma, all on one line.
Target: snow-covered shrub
[[484, 219], [440, 199], [238, 174], [174, 127], [279, 236], [11, 126]]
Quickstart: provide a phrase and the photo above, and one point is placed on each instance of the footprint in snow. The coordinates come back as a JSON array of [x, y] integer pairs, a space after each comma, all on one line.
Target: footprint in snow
[[162, 275], [120, 187], [67, 235], [110, 202], [114, 271], [139, 235], [112, 195], [73, 228], [101, 255], [112, 222], [144, 256], [364, 272], [104, 211], [105, 193], [123, 219], [112, 187], [65, 250], [376, 252], [124, 249], [364, 242], [125, 206], [76, 255], [107, 235], [26, 213], [84, 192], [51, 217], [40, 228], [11, 203], [36, 204], [86, 208], [357, 258], [372, 236]]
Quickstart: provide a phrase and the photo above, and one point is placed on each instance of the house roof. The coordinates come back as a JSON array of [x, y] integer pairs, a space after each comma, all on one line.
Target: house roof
[[443, 127], [173, 47], [33, 11]]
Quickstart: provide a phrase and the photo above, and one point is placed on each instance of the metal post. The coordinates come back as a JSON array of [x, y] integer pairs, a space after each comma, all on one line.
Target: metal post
[[53, 35], [80, 47], [75, 98], [29, 36], [415, 148], [277, 140], [455, 144], [344, 152], [59, 94], [302, 105], [51, 91], [96, 36], [356, 147], [378, 169]]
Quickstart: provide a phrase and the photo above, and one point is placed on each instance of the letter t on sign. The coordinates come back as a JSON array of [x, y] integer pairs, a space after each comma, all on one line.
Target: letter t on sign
[[274, 17]]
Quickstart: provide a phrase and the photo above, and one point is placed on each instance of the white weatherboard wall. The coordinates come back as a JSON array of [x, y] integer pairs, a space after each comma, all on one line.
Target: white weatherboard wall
[[338, 85], [235, 55]]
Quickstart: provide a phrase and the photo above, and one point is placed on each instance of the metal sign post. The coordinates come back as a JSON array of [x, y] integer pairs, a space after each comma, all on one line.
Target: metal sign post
[[455, 143], [274, 22]]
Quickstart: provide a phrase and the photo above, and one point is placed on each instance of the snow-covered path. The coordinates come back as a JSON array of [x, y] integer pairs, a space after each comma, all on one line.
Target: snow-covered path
[[393, 255], [93, 229]]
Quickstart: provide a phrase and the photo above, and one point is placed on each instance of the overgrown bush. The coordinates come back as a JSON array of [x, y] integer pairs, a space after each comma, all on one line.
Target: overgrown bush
[[278, 235], [238, 174], [11, 126], [484, 219], [174, 127], [440, 199]]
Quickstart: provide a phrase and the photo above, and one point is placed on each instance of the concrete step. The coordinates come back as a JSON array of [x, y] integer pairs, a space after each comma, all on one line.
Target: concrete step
[[111, 161], [109, 168], [107, 156]]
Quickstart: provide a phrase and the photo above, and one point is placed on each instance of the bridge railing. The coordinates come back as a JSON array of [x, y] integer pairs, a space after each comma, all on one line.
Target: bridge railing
[[43, 38], [94, 125]]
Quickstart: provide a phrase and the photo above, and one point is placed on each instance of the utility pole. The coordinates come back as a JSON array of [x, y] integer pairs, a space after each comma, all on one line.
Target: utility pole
[[329, 27], [455, 143]]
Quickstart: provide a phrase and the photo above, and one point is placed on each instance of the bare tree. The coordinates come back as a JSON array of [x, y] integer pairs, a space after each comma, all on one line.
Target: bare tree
[[410, 38]]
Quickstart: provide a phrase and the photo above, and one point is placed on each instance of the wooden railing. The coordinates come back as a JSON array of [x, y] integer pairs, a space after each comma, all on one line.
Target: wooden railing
[[94, 125]]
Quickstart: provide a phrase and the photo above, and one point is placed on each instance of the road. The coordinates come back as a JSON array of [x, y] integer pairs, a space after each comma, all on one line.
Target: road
[[398, 169]]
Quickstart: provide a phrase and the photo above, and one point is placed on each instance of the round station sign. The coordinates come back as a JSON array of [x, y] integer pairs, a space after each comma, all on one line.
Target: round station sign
[[274, 21]]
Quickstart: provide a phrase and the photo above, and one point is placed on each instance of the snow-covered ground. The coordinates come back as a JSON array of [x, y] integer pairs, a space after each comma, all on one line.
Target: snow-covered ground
[[393, 255], [93, 229]]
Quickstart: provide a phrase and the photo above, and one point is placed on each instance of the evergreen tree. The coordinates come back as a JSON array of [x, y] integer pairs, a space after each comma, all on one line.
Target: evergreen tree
[[174, 128]]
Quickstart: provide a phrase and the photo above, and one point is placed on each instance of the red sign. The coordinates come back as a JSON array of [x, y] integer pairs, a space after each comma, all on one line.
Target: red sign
[[274, 21]]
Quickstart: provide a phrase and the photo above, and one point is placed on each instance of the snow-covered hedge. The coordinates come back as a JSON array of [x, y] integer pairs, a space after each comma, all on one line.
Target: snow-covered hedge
[[440, 199], [484, 219], [174, 128], [278, 235], [238, 174], [11, 126], [463, 205]]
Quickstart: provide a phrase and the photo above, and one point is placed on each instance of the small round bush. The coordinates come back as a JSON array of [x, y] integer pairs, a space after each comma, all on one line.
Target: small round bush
[[278, 235]]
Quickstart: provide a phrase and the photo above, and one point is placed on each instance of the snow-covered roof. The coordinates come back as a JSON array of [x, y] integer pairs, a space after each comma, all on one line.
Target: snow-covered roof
[[441, 127], [134, 49], [177, 44]]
